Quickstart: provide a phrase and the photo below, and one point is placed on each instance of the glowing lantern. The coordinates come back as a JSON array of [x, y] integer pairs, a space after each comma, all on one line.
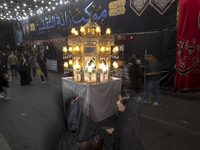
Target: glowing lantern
[[66, 65], [73, 30], [65, 49], [115, 65], [76, 32], [82, 29], [70, 49], [108, 31], [102, 49], [70, 62], [98, 29], [77, 48]]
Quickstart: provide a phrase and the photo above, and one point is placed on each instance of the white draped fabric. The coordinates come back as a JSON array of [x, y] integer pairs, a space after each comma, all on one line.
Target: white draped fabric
[[99, 99]]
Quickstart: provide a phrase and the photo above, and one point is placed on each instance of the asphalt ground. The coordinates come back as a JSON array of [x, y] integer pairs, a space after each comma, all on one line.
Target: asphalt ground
[[34, 120]]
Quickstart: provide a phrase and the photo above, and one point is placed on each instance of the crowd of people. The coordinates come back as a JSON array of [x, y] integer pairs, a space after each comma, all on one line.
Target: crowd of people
[[23, 64]]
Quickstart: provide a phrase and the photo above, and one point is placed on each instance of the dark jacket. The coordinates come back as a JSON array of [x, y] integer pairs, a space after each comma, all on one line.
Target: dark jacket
[[5, 82]]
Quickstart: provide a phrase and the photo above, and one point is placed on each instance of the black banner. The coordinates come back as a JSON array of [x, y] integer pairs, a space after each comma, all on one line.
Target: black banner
[[161, 44], [122, 16]]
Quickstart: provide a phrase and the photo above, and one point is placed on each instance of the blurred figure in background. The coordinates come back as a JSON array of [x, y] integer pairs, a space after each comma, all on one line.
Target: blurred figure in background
[[33, 64], [13, 61], [152, 80], [42, 66], [6, 87], [24, 71], [123, 73]]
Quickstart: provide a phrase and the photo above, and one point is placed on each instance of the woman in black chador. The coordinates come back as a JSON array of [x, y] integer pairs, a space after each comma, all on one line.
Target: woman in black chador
[[125, 135], [24, 71], [82, 133]]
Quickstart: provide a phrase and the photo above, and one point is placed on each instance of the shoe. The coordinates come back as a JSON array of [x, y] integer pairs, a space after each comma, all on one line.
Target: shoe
[[156, 104], [43, 82], [7, 98], [1, 96], [147, 101]]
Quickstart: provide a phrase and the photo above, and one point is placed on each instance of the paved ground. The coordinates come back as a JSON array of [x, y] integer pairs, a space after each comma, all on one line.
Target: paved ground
[[174, 126], [33, 119]]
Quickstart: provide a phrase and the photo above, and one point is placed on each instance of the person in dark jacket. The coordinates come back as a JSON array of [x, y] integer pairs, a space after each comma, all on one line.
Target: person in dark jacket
[[125, 135], [42, 66], [82, 133]]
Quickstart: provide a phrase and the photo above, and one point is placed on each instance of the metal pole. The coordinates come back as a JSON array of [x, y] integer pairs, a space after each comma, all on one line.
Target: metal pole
[[145, 66]]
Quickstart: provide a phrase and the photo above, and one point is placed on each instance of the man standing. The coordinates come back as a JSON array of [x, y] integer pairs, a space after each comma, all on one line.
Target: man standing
[[152, 80], [42, 66], [13, 61]]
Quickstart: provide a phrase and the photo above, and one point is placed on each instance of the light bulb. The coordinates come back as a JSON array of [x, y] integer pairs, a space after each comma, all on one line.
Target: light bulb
[[73, 30], [64, 49], [115, 65], [108, 31], [70, 62], [82, 29], [66, 65]]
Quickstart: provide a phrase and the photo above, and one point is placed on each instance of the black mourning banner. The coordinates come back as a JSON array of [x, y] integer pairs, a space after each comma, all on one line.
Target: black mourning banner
[[161, 44], [122, 16]]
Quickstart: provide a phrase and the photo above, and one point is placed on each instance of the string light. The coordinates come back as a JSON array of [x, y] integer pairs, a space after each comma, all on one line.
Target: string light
[[30, 8]]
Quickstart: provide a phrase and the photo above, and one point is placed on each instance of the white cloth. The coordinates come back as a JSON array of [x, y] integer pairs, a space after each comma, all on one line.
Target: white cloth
[[99, 99]]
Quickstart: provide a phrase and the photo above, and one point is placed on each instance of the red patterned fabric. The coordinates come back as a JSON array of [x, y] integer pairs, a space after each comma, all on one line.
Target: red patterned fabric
[[188, 46]]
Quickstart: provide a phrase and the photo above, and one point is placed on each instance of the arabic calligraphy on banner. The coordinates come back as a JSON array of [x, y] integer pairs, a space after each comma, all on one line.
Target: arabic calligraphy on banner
[[117, 8], [64, 20], [188, 46], [107, 13], [186, 52]]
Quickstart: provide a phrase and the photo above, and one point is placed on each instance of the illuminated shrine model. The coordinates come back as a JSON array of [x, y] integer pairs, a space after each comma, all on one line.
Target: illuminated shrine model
[[89, 54]]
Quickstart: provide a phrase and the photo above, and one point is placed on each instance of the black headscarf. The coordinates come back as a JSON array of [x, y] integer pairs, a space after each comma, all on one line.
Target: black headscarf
[[80, 125], [80, 128]]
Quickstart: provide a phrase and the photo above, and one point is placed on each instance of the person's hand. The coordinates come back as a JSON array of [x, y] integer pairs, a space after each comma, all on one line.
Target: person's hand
[[110, 130]]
